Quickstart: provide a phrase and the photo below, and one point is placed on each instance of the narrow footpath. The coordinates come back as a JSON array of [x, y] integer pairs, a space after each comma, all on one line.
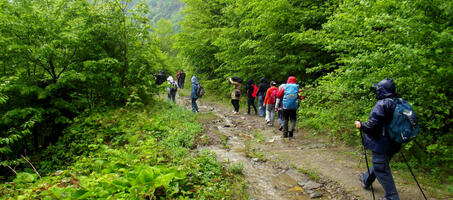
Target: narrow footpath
[[275, 168]]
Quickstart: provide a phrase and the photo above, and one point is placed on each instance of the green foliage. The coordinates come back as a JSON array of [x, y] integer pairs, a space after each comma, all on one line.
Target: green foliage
[[126, 154], [338, 49], [236, 168], [62, 58]]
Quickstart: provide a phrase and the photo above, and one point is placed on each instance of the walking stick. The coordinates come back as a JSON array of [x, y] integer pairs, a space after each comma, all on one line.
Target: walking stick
[[404, 158], [366, 160]]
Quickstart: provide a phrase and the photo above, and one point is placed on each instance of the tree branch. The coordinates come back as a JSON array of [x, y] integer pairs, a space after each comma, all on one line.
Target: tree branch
[[14, 171], [23, 157]]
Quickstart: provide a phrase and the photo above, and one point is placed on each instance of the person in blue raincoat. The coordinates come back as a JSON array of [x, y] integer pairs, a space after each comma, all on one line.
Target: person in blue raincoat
[[193, 94], [377, 140]]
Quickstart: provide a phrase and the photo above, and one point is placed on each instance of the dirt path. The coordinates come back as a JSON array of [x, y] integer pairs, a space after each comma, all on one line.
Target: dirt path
[[278, 168]]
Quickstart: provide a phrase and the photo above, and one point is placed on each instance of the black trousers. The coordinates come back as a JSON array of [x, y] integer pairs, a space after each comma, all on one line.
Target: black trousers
[[289, 116], [251, 102], [235, 104]]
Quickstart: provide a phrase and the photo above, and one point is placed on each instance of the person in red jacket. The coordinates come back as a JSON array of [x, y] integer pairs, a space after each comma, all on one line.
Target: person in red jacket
[[269, 103], [290, 97]]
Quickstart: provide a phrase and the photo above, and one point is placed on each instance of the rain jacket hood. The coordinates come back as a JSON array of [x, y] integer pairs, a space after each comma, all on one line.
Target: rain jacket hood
[[385, 89], [292, 80], [170, 79], [263, 80], [194, 80]]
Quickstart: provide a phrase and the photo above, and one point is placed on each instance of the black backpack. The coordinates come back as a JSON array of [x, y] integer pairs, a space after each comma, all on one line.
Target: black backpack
[[160, 79], [200, 90]]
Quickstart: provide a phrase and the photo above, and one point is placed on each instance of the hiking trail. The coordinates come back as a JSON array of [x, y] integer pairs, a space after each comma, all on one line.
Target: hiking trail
[[277, 168]]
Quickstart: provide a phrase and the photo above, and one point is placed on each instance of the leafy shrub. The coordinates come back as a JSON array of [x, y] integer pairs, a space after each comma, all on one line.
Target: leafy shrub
[[126, 154]]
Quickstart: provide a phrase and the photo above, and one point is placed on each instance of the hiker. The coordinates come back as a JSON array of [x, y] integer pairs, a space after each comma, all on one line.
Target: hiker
[[160, 78], [193, 94], [171, 89], [181, 77], [263, 86], [252, 91], [279, 109], [236, 94], [269, 103], [289, 95], [377, 140]]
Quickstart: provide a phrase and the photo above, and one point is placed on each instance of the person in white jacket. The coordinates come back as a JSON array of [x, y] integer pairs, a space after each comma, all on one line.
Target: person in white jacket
[[172, 88]]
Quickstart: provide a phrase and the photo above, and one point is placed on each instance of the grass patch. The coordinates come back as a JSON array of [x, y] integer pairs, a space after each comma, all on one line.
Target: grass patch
[[206, 117], [236, 168], [258, 137], [253, 152], [314, 175], [224, 142]]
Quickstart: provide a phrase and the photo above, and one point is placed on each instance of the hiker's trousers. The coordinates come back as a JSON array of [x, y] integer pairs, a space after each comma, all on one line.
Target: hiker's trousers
[[381, 170], [261, 108], [235, 103], [270, 113], [251, 102], [181, 83], [289, 116], [171, 94], [280, 117], [194, 105]]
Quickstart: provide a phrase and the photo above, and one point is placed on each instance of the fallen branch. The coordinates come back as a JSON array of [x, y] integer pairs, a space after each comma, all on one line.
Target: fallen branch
[[23, 157]]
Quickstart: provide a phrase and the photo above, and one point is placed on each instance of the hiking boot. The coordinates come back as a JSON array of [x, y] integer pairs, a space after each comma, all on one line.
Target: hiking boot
[[362, 183], [290, 134], [281, 128], [285, 135]]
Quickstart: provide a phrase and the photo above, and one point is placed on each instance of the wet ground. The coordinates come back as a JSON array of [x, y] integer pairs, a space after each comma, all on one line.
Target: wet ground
[[275, 168]]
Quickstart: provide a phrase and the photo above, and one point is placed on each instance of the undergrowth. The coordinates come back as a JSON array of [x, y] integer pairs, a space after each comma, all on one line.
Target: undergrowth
[[127, 154]]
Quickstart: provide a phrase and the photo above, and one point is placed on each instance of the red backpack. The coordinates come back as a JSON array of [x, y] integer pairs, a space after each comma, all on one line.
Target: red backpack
[[273, 96], [255, 90]]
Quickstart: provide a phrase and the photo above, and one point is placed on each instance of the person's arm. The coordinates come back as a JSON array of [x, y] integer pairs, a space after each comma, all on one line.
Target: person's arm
[[277, 104], [376, 120], [233, 82], [281, 93]]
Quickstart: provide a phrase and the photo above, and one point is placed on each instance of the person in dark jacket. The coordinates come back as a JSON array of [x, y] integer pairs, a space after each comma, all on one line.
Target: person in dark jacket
[[193, 94], [181, 77], [377, 140], [250, 99], [264, 85]]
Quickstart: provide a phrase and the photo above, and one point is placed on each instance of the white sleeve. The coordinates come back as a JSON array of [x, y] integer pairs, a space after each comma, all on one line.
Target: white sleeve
[[277, 103]]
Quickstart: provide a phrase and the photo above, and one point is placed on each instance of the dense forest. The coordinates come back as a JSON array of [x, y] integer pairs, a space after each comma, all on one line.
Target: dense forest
[[338, 50], [79, 103]]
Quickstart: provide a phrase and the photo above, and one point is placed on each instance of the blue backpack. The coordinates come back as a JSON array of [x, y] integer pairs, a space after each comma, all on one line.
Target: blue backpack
[[291, 96], [404, 125]]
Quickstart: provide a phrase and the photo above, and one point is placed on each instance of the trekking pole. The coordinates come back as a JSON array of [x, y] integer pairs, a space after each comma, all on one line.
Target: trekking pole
[[413, 175], [366, 161], [360, 161]]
